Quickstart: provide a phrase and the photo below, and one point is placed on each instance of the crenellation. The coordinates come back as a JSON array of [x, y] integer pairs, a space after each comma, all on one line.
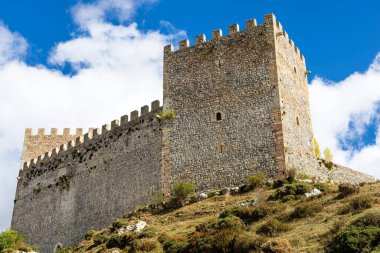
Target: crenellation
[[106, 128], [53, 131], [200, 39], [66, 131], [155, 105], [114, 124], [96, 132], [184, 44], [41, 131], [28, 132], [79, 140], [251, 24], [124, 120], [144, 110], [79, 131], [168, 49], [134, 115], [233, 29], [217, 34]]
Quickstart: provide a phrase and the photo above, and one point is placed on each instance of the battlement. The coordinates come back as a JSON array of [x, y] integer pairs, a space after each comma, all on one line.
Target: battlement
[[233, 31], [53, 132], [84, 139]]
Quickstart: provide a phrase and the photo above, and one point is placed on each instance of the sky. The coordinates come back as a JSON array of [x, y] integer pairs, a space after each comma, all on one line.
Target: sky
[[73, 63]]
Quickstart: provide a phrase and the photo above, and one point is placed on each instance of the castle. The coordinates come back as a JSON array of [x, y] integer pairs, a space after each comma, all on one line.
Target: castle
[[241, 107]]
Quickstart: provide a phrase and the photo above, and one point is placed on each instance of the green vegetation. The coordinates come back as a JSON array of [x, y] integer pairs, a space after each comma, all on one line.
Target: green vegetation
[[328, 158], [363, 235], [317, 150], [256, 181], [11, 240], [261, 220], [183, 190], [167, 115]]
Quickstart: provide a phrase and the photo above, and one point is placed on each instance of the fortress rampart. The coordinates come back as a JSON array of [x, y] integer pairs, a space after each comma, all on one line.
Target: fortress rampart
[[87, 182], [241, 107]]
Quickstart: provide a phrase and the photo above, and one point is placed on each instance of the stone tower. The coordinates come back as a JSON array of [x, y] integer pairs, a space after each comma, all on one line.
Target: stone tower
[[241, 104]]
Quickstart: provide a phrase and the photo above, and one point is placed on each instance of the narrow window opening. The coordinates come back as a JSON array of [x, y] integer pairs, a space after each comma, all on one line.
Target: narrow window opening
[[295, 70], [218, 116], [298, 121]]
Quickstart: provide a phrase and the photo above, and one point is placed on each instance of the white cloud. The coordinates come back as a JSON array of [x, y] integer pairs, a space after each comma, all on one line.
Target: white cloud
[[12, 45], [344, 109], [118, 69]]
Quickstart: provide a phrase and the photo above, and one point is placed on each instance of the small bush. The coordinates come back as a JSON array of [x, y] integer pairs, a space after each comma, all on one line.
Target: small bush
[[272, 227], [317, 150], [13, 240], [183, 190], [279, 183], [278, 245], [361, 203], [248, 243], [292, 190], [145, 244], [118, 223], [291, 176], [327, 155], [246, 214], [256, 181], [89, 234], [64, 250], [169, 114], [306, 210], [100, 239], [148, 232], [323, 187], [347, 189], [174, 245]]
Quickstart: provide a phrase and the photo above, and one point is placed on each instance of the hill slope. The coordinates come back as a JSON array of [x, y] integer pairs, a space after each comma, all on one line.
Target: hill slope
[[249, 222]]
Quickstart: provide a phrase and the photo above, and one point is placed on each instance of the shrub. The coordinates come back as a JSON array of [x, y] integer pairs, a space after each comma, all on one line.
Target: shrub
[[148, 232], [323, 187], [317, 150], [363, 235], [278, 245], [13, 240], [279, 183], [118, 223], [248, 243], [169, 114], [89, 234], [174, 245], [291, 176], [246, 214], [347, 189], [272, 228], [256, 181], [64, 250], [100, 239], [327, 155], [361, 203], [145, 244], [183, 190], [306, 210], [290, 190]]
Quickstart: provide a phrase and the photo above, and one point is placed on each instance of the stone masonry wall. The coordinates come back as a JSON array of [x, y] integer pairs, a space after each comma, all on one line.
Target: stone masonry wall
[[38, 144], [89, 182], [294, 95], [232, 75]]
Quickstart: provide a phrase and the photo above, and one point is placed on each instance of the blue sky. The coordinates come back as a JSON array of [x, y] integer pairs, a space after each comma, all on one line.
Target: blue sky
[[82, 64], [337, 37]]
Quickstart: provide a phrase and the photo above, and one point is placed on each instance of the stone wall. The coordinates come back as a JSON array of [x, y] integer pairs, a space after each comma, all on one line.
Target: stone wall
[[295, 106], [89, 182], [38, 144], [235, 76]]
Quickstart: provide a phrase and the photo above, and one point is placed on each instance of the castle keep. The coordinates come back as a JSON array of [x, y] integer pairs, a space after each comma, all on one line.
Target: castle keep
[[241, 107]]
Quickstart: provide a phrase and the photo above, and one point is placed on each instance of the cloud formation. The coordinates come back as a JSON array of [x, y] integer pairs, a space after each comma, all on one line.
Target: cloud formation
[[343, 111], [116, 69]]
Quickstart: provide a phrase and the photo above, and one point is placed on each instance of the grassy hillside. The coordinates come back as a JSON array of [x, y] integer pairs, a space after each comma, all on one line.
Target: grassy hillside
[[263, 219]]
